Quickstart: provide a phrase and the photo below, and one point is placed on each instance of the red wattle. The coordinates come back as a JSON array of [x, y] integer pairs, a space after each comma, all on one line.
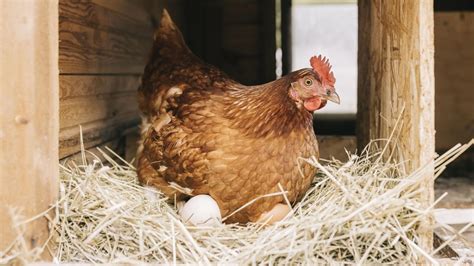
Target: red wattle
[[313, 104]]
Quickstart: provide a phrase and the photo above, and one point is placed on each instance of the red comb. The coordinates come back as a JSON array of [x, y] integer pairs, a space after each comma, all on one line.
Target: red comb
[[322, 67]]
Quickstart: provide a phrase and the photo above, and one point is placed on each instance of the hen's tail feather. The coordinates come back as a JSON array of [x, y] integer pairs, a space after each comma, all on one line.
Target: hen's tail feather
[[168, 34], [169, 51]]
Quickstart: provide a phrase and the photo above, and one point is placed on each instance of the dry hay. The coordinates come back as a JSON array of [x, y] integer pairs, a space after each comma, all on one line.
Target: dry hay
[[364, 210]]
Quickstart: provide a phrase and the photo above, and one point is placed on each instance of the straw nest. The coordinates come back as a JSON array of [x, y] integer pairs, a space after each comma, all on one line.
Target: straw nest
[[365, 210]]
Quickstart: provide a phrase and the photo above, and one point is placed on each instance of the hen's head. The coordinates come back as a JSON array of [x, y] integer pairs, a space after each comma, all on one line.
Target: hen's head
[[314, 87]]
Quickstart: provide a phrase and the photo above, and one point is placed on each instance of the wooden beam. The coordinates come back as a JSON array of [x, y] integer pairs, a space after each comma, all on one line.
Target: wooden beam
[[396, 71], [267, 41], [286, 36], [29, 120]]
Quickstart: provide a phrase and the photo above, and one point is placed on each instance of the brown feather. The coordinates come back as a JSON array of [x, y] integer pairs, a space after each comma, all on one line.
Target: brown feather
[[222, 138]]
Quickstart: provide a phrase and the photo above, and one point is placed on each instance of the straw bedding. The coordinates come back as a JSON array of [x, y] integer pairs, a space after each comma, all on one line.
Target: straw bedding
[[365, 210]]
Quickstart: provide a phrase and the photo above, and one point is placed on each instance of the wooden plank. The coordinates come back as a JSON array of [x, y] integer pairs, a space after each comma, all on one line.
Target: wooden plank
[[28, 115], [454, 57], [134, 9], [396, 71], [145, 10], [87, 50], [77, 111], [103, 105], [108, 37], [90, 14], [71, 86], [94, 134]]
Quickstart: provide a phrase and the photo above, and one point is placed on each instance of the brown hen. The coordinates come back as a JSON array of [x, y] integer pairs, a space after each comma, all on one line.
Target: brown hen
[[205, 133]]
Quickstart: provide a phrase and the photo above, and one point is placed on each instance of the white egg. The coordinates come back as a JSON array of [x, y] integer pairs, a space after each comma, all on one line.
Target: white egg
[[201, 210]]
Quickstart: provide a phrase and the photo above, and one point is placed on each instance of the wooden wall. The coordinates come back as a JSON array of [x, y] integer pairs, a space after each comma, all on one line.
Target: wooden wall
[[103, 49], [454, 76], [104, 46], [238, 36]]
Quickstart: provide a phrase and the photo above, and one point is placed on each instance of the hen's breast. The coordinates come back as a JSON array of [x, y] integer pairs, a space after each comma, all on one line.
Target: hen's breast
[[202, 150], [244, 168]]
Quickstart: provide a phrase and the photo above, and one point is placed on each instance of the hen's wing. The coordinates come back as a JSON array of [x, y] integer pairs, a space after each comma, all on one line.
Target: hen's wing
[[175, 97]]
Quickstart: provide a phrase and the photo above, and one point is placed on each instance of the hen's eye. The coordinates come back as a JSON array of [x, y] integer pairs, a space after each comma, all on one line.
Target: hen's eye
[[328, 93], [308, 82]]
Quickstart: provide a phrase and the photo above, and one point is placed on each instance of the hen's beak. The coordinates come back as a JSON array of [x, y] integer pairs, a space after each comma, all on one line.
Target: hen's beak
[[333, 97]]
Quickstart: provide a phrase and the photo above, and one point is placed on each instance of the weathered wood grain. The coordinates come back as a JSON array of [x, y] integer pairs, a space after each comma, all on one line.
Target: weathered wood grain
[[28, 116], [103, 105], [88, 50], [84, 85], [136, 9], [396, 71], [90, 14], [82, 110], [95, 133], [102, 52]]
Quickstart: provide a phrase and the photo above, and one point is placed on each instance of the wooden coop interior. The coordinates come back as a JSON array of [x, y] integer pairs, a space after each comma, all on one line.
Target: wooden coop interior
[[69, 63]]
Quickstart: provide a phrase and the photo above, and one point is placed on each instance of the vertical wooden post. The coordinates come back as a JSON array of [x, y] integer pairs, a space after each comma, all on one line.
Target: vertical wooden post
[[29, 122], [396, 70], [268, 45], [286, 36]]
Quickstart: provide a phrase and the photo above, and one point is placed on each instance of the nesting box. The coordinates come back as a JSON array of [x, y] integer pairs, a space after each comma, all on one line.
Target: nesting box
[[65, 64], [71, 63]]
